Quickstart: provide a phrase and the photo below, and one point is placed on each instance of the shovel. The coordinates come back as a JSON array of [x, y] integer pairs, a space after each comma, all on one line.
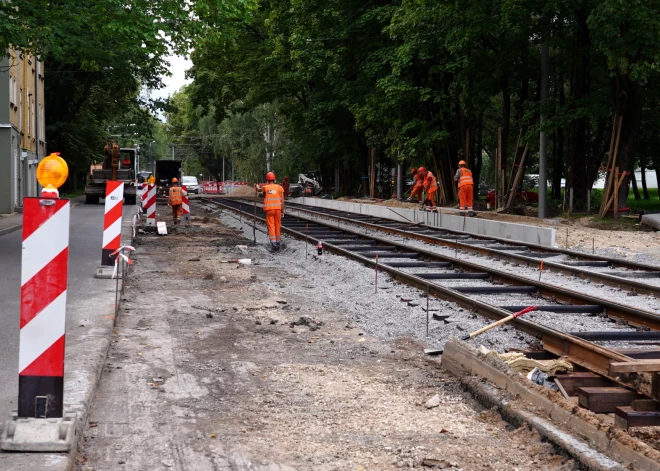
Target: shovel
[[500, 322], [242, 261], [439, 351]]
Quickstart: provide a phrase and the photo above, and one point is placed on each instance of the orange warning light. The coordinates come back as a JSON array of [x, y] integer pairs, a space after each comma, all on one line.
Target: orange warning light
[[52, 171]]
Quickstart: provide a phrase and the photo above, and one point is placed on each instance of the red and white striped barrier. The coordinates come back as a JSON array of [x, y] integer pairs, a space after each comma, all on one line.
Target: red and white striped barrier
[[44, 269], [114, 206], [150, 205], [185, 204], [211, 188]]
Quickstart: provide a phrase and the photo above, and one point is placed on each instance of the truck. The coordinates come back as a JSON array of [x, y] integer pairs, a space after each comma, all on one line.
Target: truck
[[166, 170], [118, 165]]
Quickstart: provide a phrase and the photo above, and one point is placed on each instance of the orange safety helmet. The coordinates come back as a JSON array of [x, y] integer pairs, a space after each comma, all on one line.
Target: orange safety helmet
[[421, 170], [270, 177], [175, 180], [413, 170], [462, 162]]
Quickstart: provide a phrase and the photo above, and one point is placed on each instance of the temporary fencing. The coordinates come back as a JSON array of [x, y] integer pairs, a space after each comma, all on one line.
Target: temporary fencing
[[114, 206], [185, 204], [150, 205], [44, 269]]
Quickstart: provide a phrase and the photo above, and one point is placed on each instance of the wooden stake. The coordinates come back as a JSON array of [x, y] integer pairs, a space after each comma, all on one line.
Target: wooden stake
[[517, 179], [613, 177]]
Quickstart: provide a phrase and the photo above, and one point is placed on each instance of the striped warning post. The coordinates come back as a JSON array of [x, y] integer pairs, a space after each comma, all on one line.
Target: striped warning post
[[185, 204], [150, 205], [114, 205], [44, 265]]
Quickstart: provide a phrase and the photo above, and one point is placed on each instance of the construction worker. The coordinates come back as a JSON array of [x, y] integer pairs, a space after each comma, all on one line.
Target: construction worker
[[418, 186], [176, 200], [274, 208], [285, 186], [152, 179], [465, 188], [430, 187]]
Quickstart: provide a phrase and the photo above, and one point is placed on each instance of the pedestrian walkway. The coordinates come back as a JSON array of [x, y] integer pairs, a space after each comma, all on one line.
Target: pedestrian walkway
[[10, 222]]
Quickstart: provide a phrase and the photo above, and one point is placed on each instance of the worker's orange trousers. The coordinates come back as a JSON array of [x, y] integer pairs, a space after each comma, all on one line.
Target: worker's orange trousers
[[274, 223], [417, 191], [177, 211], [465, 197], [430, 199]]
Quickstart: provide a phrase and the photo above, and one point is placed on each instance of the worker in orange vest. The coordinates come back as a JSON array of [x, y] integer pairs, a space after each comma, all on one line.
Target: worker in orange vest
[[430, 188], [176, 199], [418, 186], [465, 189], [286, 186], [274, 208]]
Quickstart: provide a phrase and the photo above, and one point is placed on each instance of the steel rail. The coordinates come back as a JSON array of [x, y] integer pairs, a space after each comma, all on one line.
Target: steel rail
[[603, 278], [636, 317], [579, 351]]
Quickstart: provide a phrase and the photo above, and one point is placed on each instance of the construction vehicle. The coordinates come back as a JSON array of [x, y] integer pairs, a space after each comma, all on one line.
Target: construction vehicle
[[308, 185], [166, 170], [118, 165]]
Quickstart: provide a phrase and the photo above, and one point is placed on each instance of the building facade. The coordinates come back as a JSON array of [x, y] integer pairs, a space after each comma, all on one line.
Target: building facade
[[22, 128]]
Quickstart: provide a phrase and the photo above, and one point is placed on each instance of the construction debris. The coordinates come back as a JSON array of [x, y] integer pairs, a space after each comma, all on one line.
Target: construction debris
[[519, 362]]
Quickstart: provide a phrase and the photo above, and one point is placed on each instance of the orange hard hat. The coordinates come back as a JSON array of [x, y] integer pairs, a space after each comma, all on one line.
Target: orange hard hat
[[270, 177], [413, 170], [462, 162], [175, 180], [421, 170]]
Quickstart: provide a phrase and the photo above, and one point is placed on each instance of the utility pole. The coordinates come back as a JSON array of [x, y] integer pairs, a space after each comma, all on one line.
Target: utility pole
[[543, 147]]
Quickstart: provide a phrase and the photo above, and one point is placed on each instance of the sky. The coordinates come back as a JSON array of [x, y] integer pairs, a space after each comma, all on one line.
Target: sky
[[178, 67]]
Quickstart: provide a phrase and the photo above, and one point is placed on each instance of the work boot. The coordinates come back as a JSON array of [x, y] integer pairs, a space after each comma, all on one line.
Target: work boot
[[422, 207], [462, 213], [273, 246]]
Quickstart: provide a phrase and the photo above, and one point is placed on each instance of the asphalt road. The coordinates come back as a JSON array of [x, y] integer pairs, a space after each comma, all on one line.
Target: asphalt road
[[84, 256]]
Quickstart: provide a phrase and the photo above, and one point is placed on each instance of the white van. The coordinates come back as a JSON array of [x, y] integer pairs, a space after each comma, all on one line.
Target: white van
[[191, 184]]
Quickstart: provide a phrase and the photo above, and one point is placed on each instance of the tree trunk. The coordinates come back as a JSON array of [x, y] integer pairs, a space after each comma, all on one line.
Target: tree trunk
[[578, 152], [478, 159], [645, 190], [628, 100], [558, 166], [506, 119], [633, 181]]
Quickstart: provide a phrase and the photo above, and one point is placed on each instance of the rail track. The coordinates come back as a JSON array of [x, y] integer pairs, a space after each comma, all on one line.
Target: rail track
[[621, 272], [395, 258]]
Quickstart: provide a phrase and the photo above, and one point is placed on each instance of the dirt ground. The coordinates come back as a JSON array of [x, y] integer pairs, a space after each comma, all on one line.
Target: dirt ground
[[211, 370], [623, 238]]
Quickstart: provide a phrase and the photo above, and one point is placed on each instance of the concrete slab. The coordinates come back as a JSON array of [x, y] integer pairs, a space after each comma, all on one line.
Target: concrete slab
[[481, 227], [651, 220], [42, 435]]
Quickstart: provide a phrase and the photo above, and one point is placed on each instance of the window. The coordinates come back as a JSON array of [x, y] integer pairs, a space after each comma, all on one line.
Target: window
[[12, 90]]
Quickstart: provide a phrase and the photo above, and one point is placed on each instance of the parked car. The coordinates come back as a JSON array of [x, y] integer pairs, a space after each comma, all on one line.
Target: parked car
[[143, 176], [190, 183]]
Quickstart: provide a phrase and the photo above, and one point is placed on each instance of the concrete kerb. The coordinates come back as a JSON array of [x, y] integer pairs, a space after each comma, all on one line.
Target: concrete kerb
[[482, 227], [584, 426]]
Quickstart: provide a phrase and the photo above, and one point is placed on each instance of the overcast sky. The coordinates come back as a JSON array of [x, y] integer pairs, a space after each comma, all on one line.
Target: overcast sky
[[178, 67]]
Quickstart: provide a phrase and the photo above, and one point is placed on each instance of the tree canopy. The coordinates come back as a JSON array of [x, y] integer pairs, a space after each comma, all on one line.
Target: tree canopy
[[432, 81]]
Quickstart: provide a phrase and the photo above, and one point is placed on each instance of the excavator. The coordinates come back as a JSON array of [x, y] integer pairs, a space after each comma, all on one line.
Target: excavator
[[118, 165]]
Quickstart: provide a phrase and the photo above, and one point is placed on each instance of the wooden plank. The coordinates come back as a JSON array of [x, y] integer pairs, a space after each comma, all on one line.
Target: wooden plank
[[640, 353], [605, 400], [574, 381], [613, 179], [655, 386], [608, 173], [625, 417], [637, 366], [562, 390], [645, 405]]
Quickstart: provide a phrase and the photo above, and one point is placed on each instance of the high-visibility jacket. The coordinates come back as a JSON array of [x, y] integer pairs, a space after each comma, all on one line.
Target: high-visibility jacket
[[419, 181], [273, 196], [152, 180], [429, 183], [465, 178], [176, 195]]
